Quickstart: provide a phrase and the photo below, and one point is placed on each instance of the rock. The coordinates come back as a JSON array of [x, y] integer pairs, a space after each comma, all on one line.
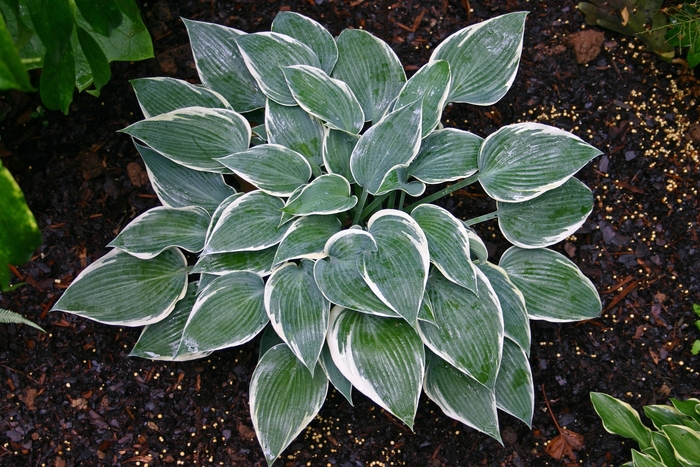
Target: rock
[[586, 44]]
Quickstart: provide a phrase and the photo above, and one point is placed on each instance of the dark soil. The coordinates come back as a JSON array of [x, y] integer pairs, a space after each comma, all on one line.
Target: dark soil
[[74, 398]]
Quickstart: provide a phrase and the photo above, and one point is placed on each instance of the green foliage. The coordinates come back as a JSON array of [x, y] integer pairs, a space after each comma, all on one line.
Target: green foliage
[[7, 316], [673, 442], [19, 234], [696, 345], [74, 42], [661, 29], [345, 283]]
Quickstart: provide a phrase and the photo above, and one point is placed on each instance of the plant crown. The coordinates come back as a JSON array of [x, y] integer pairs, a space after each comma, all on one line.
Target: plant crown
[[319, 251]]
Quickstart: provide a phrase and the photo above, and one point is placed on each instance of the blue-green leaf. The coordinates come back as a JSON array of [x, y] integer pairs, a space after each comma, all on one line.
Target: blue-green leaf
[[260, 262], [515, 393], [337, 149], [292, 127], [310, 33], [162, 95], [327, 194], [446, 155], [306, 238], [430, 84], [383, 358]]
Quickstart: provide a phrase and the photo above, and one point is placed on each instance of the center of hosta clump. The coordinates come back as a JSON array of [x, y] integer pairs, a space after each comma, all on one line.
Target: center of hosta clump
[[345, 282]]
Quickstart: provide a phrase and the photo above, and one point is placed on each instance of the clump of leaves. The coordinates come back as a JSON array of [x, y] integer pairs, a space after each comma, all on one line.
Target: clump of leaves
[[696, 345], [661, 29], [347, 284], [72, 40], [675, 439]]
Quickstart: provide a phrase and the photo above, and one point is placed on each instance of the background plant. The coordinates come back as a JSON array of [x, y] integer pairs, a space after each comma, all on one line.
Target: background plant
[[661, 29], [72, 40], [345, 282], [696, 345], [675, 439]]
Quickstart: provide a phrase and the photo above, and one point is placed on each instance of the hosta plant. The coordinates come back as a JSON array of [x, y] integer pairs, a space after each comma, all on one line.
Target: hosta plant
[[316, 247], [674, 441]]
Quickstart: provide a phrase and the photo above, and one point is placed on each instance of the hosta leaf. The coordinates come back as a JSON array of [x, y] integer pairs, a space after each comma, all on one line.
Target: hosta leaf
[[461, 397], [306, 238], [448, 243], [483, 58], [298, 310], [162, 95], [337, 148], [446, 155], [661, 415], [398, 270], [383, 358], [178, 187], [284, 398], [393, 141], [310, 33], [250, 223], [160, 228], [216, 216], [326, 98], [272, 168], [266, 53], [688, 407], [516, 324], [620, 418], [124, 290], [431, 84], [515, 393], [371, 69], [340, 382], [327, 194], [468, 332], [644, 460], [397, 179], [259, 262], [229, 311], [664, 450], [292, 127], [159, 341], [554, 288], [221, 66], [547, 219], [521, 161], [268, 339], [194, 136], [338, 275]]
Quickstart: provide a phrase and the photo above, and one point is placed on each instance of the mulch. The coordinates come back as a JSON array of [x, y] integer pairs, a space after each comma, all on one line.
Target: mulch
[[74, 398]]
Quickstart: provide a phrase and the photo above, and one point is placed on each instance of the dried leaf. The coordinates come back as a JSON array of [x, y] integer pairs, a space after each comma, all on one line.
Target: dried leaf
[[565, 444]]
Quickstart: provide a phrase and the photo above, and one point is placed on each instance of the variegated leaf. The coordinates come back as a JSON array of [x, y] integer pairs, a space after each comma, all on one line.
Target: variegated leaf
[[371, 69], [445, 156], [284, 398], [431, 84], [398, 270], [272, 168], [161, 95], [477, 247], [468, 329], [383, 358], [340, 382], [266, 53], [398, 179], [327, 194], [448, 242], [250, 223], [124, 290], [229, 311], [310, 33], [337, 148], [516, 324], [328, 99], [461, 397], [298, 310], [483, 58], [194, 136], [260, 262], [159, 341], [161, 228], [515, 393], [391, 142], [292, 127], [221, 66], [306, 238], [519, 162], [178, 187], [547, 219], [554, 288], [338, 276]]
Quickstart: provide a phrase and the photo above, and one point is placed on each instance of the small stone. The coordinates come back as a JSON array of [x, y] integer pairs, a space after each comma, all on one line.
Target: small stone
[[137, 176], [586, 44]]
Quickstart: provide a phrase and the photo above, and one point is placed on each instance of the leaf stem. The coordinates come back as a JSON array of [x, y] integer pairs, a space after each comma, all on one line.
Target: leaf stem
[[444, 192], [484, 218], [402, 198], [392, 200], [360, 207], [373, 205]]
